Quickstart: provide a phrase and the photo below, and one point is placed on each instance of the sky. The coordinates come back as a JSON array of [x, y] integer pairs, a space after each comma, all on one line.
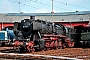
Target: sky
[[43, 6]]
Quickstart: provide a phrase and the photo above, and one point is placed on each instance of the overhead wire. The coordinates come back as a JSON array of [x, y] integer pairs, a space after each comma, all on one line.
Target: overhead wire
[[48, 4], [69, 4], [36, 1], [58, 2], [25, 4]]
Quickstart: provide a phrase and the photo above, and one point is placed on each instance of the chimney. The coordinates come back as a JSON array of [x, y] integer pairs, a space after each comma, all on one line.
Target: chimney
[[32, 17]]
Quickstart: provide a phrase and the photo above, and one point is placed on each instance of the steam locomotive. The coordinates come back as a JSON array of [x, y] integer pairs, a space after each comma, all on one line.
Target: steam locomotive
[[34, 35]]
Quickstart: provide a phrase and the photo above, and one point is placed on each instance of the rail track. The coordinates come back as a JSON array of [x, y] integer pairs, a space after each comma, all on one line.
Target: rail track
[[58, 54]]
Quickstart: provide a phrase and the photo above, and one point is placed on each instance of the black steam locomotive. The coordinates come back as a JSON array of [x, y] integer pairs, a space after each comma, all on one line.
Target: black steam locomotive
[[33, 35], [27, 27]]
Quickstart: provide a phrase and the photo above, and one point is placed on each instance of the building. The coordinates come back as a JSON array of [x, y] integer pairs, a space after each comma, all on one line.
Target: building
[[66, 18]]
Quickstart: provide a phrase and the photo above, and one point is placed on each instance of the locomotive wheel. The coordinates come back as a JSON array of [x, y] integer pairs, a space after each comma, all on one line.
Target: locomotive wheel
[[56, 44], [63, 46], [20, 49], [3, 44], [30, 48], [41, 44], [60, 44]]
